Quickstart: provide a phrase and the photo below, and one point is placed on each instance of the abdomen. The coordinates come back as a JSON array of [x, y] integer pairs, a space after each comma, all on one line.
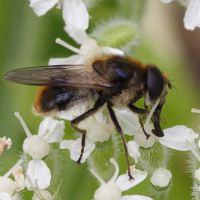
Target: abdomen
[[50, 100]]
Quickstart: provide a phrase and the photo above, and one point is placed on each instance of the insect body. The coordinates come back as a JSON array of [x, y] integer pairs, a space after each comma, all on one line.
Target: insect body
[[110, 80]]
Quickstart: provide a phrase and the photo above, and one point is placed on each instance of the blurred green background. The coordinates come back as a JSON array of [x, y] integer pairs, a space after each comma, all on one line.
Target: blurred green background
[[27, 40]]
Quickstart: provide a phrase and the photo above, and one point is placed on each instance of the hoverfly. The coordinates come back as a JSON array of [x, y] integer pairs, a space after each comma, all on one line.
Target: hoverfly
[[110, 80]]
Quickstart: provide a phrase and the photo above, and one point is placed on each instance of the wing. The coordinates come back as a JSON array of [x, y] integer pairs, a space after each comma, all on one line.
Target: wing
[[59, 75]]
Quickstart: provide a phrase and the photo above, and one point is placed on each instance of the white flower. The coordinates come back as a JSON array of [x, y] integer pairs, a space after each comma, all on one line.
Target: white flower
[[97, 131], [115, 186], [34, 145], [76, 19], [5, 143], [75, 148], [88, 49], [179, 137], [161, 177], [38, 172], [75, 15], [192, 14], [55, 127], [37, 147], [7, 185], [50, 130]]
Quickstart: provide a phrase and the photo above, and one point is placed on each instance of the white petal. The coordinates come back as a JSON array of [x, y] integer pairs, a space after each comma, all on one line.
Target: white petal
[[108, 191], [179, 138], [123, 180], [161, 177], [75, 148], [128, 120], [40, 7], [73, 112], [5, 196], [97, 131], [197, 174], [7, 185], [166, 1], [192, 15], [140, 137], [55, 127], [75, 59], [133, 150], [75, 14], [135, 197], [78, 35], [88, 45], [36, 147], [66, 144], [110, 50], [38, 170]]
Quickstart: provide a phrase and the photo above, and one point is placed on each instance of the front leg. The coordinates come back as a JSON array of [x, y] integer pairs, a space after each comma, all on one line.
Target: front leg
[[119, 130], [99, 103], [135, 109], [156, 121]]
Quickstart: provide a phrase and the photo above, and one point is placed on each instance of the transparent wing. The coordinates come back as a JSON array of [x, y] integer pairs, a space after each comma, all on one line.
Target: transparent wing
[[59, 75]]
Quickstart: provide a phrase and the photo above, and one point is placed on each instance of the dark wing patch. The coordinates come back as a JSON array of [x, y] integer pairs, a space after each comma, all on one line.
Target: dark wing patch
[[59, 75]]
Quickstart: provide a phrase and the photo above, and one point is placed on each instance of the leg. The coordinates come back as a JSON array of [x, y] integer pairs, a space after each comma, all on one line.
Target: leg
[[97, 105], [140, 111], [156, 121], [119, 130]]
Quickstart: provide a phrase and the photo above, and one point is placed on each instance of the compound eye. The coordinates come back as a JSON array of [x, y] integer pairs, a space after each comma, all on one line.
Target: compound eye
[[155, 83]]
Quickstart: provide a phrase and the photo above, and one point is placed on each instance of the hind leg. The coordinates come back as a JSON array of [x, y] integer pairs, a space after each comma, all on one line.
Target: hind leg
[[98, 104]]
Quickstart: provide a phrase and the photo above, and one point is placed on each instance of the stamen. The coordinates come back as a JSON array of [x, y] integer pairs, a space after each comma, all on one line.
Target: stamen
[[68, 46], [151, 112], [28, 133], [113, 179], [97, 177], [194, 110], [33, 187], [19, 162], [38, 188]]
